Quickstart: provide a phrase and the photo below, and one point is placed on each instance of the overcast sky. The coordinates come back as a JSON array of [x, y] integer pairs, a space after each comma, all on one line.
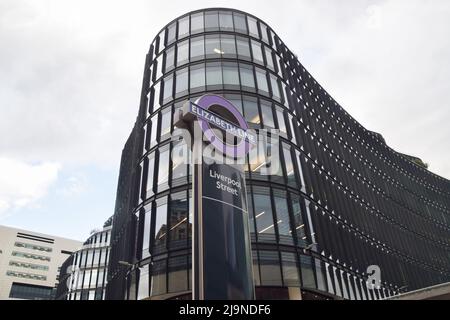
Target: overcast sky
[[71, 72]]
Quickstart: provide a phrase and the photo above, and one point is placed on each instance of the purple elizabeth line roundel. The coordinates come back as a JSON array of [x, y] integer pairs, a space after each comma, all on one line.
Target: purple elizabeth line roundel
[[239, 150]]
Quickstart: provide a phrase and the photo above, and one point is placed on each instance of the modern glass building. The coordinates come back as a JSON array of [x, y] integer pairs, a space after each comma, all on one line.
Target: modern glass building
[[83, 275], [343, 200]]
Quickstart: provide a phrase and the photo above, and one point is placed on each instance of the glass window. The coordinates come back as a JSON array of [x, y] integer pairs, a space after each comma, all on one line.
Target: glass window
[[260, 159], [290, 94], [236, 100], [78, 284], [211, 21], [197, 48], [147, 212], [261, 79], [163, 169], [251, 113], [160, 226], [228, 46], [153, 50], [264, 36], [243, 48], [182, 82], [170, 56], [166, 118], [87, 277], [89, 258], [239, 22], [282, 219], [253, 27], [256, 277], [103, 258], [101, 273], [180, 161], [307, 272], [230, 74], [197, 76], [292, 127], [171, 33], [96, 257], [275, 87], [177, 275], [77, 256], [289, 166], [93, 278], [277, 174], [281, 121], [159, 281], [257, 52], [150, 176], [153, 133], [267, 115], [273, 40], [269, 58], [168, 89], [298, 220], [156, 97], [247, 77], [84, 295], [212, 46], [226, 21], [251, 214], [183, 27], [178, 219], [182, 52], [263, 214], [269, 262], [300, 170], [213, 74], [162, 40], [33, 246], [197, 23], [143, 289], [159, 65], [290, 270], [278, 63]]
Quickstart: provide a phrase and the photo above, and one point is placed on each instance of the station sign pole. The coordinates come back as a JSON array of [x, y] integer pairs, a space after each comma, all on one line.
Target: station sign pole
[[221, 252]]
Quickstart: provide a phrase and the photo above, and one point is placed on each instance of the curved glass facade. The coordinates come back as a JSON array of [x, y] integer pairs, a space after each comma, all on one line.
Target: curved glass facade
[[342, 200], [83, 275]]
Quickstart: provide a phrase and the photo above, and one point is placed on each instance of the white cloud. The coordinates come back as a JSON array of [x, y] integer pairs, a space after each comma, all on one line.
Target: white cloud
[[387, 63], [374, 17], [74, 185], [23, 184], [71, 71]]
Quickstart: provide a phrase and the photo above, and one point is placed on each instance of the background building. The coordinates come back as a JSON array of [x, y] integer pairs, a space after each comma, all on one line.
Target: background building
[[83, 275], [342, 200], [30, 262]]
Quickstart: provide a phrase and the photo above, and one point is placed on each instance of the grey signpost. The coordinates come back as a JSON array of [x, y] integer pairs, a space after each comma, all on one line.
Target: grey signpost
[[221, 253]]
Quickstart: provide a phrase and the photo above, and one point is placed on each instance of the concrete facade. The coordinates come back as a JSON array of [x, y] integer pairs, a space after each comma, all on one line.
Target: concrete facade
[[31, 261]]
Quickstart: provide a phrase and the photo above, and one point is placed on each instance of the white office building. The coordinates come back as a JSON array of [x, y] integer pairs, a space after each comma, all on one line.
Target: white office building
[[30, 262]]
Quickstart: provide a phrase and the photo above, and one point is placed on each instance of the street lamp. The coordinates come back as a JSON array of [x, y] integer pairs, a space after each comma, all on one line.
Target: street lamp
[[131, 266], [401, 288], [126, 264], [309, 247]]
